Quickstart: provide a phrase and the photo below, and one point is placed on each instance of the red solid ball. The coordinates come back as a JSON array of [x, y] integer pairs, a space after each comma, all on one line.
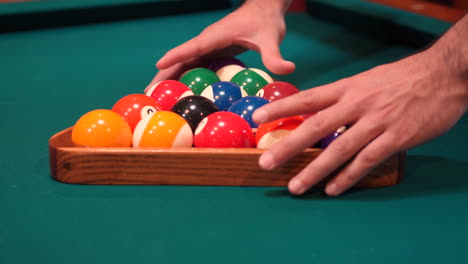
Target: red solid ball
[[224, 130]]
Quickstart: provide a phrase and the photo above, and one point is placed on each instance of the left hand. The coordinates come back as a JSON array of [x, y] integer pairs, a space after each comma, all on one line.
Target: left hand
[[390, 108], [256, 25]]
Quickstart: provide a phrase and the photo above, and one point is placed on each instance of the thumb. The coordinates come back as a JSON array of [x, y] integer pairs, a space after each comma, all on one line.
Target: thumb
[[274, 62]]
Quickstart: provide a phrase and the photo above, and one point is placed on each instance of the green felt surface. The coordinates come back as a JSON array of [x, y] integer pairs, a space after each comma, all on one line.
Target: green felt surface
[[48, 5], [49, 78], [30, 15], [54, 5]]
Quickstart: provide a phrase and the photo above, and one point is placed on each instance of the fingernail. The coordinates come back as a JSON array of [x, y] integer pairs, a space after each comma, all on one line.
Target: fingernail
[[158, 62], [331, 189], [260, 116], [266, 161], [150, 86], [296, 186]]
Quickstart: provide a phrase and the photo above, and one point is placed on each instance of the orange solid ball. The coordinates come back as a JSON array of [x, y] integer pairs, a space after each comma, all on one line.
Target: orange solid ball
[[102, 128]]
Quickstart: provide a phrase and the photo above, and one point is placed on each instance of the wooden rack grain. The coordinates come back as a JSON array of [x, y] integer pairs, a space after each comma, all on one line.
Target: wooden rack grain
[[186, 166]]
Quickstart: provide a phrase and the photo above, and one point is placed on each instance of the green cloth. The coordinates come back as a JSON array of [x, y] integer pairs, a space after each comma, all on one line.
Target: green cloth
[[50, 77]]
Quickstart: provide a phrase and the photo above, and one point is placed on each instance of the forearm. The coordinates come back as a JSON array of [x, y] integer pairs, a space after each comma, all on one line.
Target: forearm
[[451, 54]]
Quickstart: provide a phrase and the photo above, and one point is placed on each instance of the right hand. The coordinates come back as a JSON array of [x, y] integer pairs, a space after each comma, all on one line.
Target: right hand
[[253, 26]]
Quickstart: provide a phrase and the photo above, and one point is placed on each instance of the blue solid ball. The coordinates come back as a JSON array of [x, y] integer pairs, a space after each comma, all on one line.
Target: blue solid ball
[[246, 106]]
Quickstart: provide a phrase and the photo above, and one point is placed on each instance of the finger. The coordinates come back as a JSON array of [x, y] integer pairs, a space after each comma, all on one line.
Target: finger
[[172, 73], [196, 47], [368, 158], [340, 151], [274, 61], [307, 134], [175, 72], [305, 102]]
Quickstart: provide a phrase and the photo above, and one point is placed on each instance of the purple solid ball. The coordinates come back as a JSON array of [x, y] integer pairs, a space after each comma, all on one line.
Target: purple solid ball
[[217, 64], [324, 142]]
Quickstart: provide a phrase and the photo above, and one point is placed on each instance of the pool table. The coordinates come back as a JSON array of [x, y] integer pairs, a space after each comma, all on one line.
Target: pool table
[[52, 73]]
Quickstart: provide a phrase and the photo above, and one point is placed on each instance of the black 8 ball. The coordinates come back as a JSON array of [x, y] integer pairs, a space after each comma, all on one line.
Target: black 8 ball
[[193, 109]]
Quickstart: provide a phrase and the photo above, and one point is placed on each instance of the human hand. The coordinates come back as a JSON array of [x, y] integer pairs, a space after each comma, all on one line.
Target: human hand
[[257, 25], [390, 108]]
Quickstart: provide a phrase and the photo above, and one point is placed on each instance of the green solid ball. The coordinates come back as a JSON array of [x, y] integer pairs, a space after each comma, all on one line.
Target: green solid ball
[[198, 79], [250, 81]]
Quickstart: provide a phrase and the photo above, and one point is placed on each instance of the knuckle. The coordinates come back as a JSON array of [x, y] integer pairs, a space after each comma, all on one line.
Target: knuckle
[[371, 157], [342, 148], [316, 123], [208, 29], [348, 180], [306, 99], [403, 137], [392, 140], [198, 49]]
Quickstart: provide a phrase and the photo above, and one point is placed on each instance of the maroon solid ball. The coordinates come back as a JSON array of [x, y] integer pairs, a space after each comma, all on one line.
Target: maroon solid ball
[[218, 63], [224, 130], [277, 90]]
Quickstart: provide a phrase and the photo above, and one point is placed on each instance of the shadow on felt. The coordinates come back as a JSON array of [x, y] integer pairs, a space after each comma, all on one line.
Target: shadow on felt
[[423, 176], [362, 37]]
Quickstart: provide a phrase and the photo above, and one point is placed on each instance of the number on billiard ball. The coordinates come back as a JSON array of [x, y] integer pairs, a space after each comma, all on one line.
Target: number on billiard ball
[[135, 107]]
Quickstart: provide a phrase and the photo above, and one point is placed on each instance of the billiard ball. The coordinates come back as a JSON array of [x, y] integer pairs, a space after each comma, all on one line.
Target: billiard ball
[[102, 128], [167, 92], [251, 80], [163, 129], [270, 133], [226, 73], [277, 90], [193, 109], [198, 79], [326, 141], [218, 63], [134, 107], [223, 130], [223, 94], [246, 106]]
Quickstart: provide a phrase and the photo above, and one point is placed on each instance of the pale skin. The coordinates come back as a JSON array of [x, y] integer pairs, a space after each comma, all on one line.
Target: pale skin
[[391, 108]]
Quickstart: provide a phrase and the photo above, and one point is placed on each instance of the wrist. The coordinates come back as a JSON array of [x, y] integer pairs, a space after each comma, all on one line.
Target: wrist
[[450, 56], [276, 6]]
